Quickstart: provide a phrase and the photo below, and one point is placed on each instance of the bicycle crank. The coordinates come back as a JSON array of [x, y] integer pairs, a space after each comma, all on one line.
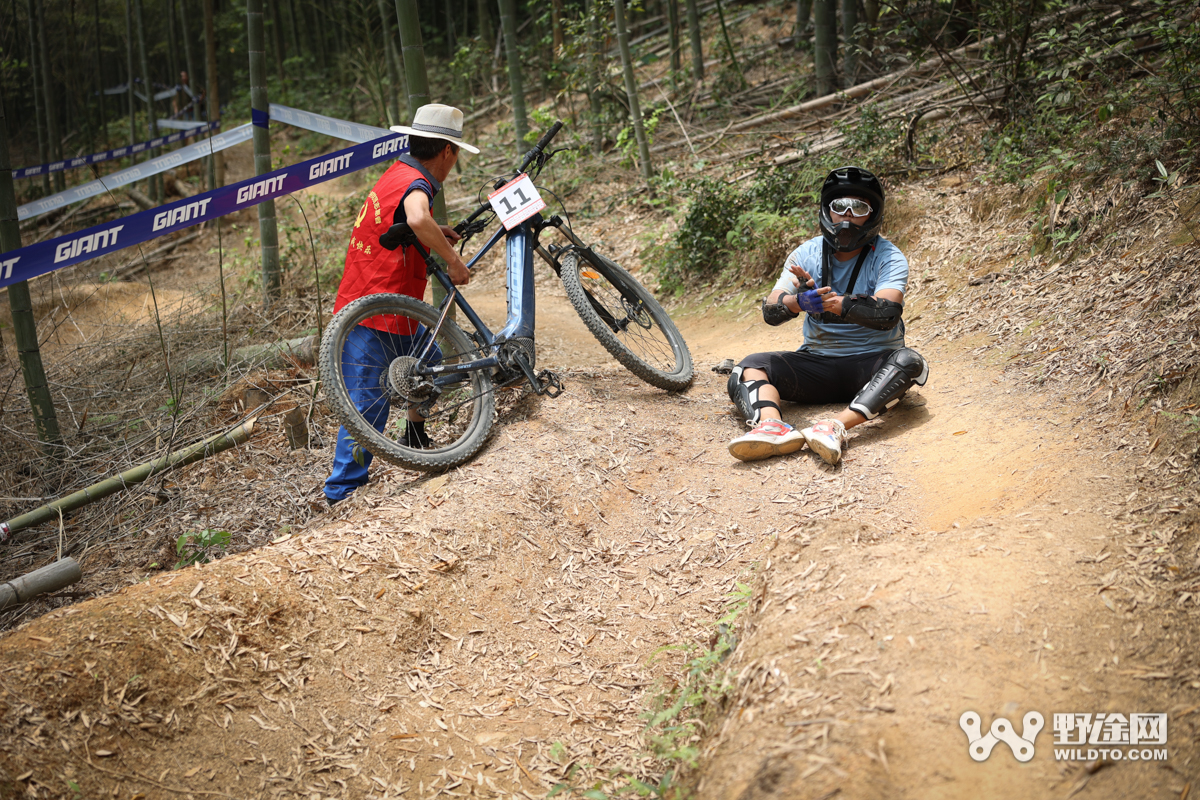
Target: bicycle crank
[[544, 382]]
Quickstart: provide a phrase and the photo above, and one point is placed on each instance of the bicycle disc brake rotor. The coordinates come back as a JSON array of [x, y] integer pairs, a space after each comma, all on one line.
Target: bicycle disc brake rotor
[[403, 382], [637, 312]]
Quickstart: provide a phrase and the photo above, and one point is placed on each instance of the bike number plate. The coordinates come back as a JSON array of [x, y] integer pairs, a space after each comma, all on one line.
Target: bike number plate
[[516, 201]]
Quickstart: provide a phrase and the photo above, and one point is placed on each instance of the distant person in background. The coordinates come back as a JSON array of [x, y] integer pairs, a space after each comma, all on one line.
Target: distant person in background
[[188, 100], [850, 283], [404, 194]]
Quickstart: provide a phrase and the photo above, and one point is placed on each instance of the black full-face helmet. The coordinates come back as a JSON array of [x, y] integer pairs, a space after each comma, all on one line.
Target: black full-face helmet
[[851, 182]]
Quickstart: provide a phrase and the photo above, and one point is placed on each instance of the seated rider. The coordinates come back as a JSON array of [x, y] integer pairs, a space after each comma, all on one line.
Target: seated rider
[[850, 283], [403, 194]]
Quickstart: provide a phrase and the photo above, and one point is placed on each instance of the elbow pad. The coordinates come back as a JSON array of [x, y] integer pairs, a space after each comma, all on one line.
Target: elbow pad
[[776, 313], [871, 312]]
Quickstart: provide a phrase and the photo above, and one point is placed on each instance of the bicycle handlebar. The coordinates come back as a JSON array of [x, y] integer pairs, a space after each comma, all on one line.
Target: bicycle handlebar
[[541, 145], [529, 158]]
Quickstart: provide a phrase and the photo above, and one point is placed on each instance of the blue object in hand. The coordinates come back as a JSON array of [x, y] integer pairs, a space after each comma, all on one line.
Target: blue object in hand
[[810, 301]]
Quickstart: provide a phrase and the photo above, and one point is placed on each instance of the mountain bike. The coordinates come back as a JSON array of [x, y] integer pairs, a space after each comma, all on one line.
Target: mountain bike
[[445, 373]]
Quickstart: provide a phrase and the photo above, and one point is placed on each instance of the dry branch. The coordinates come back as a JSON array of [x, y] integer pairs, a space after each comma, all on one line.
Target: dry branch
[[131, 477]]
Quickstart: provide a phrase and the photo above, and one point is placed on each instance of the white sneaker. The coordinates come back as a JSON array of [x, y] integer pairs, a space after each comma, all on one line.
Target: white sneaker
[[772, 437], [826, 438]]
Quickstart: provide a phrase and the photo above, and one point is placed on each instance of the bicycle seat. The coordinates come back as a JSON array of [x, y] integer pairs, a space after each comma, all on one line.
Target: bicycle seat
[[398, 235]]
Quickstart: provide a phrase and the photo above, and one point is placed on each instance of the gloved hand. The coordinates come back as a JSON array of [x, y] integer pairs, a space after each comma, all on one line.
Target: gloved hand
[[810, 301]]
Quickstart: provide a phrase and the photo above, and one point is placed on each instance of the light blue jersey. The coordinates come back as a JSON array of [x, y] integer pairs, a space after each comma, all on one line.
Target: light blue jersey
[[885, 267]]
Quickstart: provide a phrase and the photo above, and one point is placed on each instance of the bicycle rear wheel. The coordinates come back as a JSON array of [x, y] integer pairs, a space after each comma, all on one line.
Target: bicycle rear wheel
[[626, 319], [371, 381]]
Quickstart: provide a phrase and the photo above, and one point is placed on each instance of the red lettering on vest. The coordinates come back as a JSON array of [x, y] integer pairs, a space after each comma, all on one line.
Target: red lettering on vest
[[371, 269]]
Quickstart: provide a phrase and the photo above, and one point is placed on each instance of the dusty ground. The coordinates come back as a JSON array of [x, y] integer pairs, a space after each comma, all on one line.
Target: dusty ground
[[479, 633], [987, 546]]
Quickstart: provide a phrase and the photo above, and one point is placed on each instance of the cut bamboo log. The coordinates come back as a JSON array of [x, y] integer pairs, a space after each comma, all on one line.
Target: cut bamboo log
[[140, 197], [49, 578], [130, 477], [274, 355]]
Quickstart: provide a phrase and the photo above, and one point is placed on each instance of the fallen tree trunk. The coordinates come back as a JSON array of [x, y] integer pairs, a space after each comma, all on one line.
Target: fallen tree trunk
[[274, 355], [49, 578], [130, 477]]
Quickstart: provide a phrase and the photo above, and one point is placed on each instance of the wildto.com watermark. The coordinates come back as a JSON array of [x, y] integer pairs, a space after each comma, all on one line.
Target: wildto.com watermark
[[1077, 737]]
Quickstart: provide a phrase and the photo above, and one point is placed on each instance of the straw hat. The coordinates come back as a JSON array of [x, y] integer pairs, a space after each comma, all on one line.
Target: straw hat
[[437, 121]]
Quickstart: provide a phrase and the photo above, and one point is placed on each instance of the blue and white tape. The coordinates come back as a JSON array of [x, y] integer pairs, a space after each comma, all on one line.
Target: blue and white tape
[[137, 172], [179, 124], [43, 257], [338, 128], [108, 155]]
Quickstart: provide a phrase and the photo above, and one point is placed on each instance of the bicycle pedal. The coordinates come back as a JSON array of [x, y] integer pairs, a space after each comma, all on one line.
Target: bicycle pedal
[[549, 384]]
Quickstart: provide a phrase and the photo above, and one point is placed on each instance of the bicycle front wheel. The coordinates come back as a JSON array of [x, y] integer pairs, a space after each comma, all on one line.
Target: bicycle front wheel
[[626, 319], [373, 382]]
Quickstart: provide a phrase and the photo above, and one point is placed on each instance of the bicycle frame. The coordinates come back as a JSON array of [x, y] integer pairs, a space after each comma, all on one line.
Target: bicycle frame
[[521, 245]]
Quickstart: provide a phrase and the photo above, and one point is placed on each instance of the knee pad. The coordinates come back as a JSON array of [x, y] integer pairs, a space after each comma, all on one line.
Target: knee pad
[[901, 369], [745, 396]]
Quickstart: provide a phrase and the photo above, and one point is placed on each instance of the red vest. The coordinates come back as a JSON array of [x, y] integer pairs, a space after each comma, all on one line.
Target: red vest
[[372, 269]]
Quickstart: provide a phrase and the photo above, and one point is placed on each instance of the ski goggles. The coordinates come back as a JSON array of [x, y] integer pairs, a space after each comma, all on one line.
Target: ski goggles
[[850, 207]]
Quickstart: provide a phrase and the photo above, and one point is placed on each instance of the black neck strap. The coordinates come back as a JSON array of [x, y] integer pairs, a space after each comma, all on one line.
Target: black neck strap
[[827, 273], [829, 317]]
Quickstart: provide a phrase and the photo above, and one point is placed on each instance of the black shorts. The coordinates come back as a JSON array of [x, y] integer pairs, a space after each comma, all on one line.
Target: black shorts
[[804, 377]]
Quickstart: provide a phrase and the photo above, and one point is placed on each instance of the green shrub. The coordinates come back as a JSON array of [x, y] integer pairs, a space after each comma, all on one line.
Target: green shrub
[[742, 231]]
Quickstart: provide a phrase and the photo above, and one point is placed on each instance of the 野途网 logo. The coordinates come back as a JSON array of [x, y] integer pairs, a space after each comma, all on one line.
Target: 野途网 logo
[[980, 745], [1119, 736]]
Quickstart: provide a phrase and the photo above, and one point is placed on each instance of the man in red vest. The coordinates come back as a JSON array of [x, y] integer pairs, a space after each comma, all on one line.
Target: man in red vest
[[404, 194]]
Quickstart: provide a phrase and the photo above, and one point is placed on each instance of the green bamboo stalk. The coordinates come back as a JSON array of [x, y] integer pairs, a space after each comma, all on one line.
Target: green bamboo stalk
[[693, 18], [417, 78], [729, 45], [38, 100], [172, 45], [24, 326], [635, 111], [155, 181], [418, 95], [516, 80], [294, 28], [803, 14], [212, 103], [130, 477], [267, 230], [99, 76], [129, 73], [53, 139], [673, 34], [593, 76], [188, 59], [277, 39], [825, 45], [392, 67], [849, 36]]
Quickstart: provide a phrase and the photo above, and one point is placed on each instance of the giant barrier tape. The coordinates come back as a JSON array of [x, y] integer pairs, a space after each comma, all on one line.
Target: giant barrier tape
[[179, 124], [135, 173], [108, 155], [43, 257], [338, 128]]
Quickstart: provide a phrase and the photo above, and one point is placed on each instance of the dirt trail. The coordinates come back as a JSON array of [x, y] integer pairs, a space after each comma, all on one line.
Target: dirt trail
[[483, 632]]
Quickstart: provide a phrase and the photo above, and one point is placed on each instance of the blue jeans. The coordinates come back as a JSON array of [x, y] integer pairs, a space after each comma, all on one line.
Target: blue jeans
[[365, 359]]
